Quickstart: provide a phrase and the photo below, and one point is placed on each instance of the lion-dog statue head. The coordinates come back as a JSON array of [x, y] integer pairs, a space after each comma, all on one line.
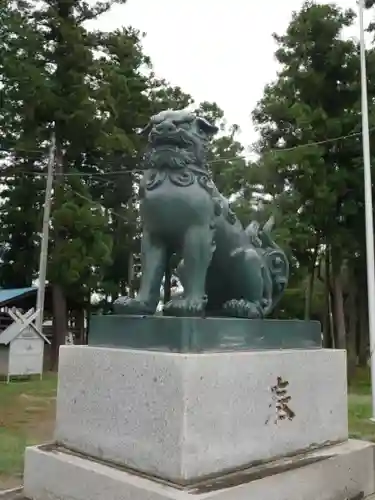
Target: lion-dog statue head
[[177, 139]]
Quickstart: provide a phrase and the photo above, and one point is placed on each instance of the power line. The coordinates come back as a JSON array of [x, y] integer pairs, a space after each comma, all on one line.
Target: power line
[[211, 162], [317, 143], [99, 205]]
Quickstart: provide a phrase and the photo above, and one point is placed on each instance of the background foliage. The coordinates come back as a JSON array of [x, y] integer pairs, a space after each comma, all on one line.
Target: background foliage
[[95, 90]]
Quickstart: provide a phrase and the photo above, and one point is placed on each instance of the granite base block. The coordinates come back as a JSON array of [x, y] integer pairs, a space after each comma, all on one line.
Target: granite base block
[[341, 472], [202, 334], [186, 416]]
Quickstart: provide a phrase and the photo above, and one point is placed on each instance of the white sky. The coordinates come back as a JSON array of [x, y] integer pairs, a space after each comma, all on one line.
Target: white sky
[[216, 50]]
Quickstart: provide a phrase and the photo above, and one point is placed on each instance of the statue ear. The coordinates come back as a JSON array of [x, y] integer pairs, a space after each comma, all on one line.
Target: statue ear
[[207, 127], [146, 130]]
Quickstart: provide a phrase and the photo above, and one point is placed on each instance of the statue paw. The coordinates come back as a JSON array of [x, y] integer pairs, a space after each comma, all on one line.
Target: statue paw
[[128, 305], [185, 307], [242, 309]]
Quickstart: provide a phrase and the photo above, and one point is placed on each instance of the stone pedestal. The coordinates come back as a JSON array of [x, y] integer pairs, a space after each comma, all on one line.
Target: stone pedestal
[[144, 424], [181, 417], [189, 335]]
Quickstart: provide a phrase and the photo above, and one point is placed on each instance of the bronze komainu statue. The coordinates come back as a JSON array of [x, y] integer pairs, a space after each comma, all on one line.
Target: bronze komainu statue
[[224, 269]]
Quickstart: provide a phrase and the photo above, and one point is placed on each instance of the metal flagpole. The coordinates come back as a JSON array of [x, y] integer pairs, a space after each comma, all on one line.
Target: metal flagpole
[[44, 245], [368, 203]]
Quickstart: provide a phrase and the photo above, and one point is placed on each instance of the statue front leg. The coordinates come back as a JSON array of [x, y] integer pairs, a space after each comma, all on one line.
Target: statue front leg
[[153, 261], [198, 247]]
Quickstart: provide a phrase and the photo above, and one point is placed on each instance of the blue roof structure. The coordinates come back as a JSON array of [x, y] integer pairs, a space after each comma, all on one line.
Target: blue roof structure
[[7, 294]]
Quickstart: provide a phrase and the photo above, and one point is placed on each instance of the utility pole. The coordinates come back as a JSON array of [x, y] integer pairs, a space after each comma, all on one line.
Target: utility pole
[[368, 203], [44, 245]]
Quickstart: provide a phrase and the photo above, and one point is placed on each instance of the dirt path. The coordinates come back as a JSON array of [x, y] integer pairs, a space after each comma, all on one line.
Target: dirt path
[[6, 483]]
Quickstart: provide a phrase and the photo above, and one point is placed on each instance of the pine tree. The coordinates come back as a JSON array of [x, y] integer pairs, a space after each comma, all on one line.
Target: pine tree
[[317, 179], [24, 94]]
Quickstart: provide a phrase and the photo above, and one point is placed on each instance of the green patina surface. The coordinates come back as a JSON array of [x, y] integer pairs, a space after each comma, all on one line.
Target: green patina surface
[[225, 269], [202, 334]]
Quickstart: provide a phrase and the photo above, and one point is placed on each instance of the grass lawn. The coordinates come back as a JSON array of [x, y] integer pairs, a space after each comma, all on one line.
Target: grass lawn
[[27, 412], [360, 426]]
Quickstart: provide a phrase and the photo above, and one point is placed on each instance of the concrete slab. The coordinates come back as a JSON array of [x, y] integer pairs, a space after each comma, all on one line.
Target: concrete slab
[[340, 472]]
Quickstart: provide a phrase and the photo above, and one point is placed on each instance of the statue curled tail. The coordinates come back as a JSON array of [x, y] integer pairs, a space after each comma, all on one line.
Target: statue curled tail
[[276, 264]]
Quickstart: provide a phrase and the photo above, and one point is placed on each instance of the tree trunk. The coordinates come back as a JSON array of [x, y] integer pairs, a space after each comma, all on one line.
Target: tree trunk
[[338, 303], [309, 295], [310, 285], [167, 280], [60, 323], [352, 330], [131, 274], [80, 326], [60, 309], [328, 328], [363, 349], [327, 344], [88, 318]]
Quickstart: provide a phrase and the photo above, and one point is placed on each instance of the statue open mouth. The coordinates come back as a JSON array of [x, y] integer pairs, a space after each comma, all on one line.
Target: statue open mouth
[[177, 138], [166, 155]]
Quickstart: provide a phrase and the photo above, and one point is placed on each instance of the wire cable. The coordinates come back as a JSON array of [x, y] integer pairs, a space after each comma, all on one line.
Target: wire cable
[[211, 162]]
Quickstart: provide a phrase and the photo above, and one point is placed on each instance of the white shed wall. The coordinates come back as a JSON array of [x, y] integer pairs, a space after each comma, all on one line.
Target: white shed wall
[[26, 356]]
